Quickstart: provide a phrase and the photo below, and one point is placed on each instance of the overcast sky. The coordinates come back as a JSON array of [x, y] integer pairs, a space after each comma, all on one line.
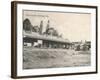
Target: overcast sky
[[72, 26]]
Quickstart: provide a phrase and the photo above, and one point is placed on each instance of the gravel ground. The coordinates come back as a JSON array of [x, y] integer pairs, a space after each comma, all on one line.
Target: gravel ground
[[54, 58]]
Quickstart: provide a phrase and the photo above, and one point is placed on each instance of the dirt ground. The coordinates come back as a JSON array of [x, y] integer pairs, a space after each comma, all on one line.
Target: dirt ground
[[54, 58]]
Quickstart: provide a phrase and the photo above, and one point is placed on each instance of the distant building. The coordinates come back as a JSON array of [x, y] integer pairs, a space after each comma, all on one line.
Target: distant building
[[81, 45]]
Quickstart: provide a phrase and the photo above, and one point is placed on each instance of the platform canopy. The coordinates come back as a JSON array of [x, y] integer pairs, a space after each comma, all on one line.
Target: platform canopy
[[44, 37]]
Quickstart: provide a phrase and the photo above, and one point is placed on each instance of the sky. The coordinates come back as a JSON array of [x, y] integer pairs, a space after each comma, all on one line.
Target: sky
[[72, 26]]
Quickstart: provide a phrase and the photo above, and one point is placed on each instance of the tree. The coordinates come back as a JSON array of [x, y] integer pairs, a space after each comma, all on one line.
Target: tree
[[77, 48], [27, 25], [55, 33]]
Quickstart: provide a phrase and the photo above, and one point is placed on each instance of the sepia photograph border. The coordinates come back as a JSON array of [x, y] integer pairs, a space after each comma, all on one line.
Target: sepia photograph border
[[14, 37]]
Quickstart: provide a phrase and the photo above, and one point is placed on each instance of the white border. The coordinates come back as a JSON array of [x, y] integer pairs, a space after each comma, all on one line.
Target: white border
[[30, 72]]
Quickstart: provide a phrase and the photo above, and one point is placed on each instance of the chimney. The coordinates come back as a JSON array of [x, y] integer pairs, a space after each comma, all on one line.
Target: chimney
[[41, 27], [48, 24]]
